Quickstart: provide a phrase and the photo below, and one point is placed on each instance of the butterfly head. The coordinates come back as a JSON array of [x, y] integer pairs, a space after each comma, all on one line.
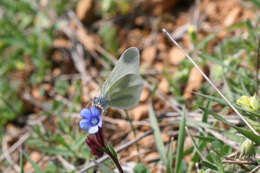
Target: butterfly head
[[100, 101]]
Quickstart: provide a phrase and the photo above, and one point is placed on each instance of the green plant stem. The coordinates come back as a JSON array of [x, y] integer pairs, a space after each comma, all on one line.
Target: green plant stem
[[115, 160]]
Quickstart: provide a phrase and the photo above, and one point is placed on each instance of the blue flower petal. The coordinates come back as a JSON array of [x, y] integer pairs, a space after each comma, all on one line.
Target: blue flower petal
[[93, 130], [85, 113], [94, 111], [100, 122], [83, 124]]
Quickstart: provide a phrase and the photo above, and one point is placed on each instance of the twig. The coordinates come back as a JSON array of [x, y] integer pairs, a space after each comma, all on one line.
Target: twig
[[120, 148], [15, 145], [196, 15], [7, 154], [36, 103], [209, 81], [219, 136], [255, 169], [65, 163], [239, 162]]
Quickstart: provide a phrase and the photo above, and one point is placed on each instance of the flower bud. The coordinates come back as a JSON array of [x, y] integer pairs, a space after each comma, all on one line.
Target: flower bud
[[96, 143], [192, 34], [247, 148]]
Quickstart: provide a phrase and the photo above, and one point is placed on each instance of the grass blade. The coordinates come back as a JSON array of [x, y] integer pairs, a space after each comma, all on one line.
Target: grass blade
[[170, 158], [180, 147], [36, 168], [21, 163], [157, 135], [198, 150]]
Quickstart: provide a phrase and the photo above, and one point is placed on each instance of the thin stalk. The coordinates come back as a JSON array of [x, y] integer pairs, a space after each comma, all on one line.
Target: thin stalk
[[115, 160], [209, 81], [257, 67]]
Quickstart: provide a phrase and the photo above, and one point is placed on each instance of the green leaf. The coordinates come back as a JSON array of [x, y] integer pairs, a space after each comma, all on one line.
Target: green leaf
[[157, 135], [170, 158], [209, 165], [61, 86], [54, 150], [140, 168], [108, 34], [61, 141], [180, 147], [21, 163], [256, 2], [51, 167], [197, 149], [34, 165], [79, 142], [217, 161], [111, 149]]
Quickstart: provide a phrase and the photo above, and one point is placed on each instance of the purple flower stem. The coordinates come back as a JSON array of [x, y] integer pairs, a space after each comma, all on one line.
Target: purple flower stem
[[115, 160]]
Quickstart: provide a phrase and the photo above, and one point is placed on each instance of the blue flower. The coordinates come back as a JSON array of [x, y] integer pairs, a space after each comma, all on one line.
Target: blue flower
[[91, 120]]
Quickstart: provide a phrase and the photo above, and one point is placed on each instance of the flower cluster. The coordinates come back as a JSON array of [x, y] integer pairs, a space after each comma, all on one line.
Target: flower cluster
[[249, 103], [91, 120]]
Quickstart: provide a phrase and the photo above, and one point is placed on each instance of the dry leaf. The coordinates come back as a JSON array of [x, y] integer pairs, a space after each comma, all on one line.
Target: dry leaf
[[147, 142], [232, 16], [87, 40], [84, 9], [194, 82], [60, 42], [165, 138], [151, 157], [158, 66], [12, 130], [175, 56], [149, 54], [139, 112], [187, 144], [37, 94], [144, 95], [164, 85]]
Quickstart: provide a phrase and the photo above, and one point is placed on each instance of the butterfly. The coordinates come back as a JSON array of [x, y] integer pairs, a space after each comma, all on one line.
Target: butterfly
[[124, 85]]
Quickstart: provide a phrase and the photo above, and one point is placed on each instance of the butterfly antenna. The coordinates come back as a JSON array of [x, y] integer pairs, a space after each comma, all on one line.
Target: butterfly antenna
[[208, 80]]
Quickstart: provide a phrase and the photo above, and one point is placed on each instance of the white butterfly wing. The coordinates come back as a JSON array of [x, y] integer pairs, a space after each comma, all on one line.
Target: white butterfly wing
[[128, 63], [125, 92]]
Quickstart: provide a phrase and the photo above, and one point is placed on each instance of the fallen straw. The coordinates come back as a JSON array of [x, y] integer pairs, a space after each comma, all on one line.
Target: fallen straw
[[208, 80]]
